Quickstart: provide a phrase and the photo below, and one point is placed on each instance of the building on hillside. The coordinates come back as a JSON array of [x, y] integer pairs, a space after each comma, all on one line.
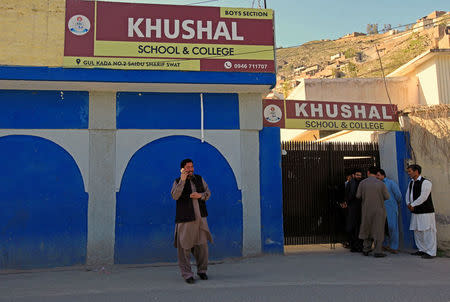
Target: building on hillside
[[310, 71], [299, 70], [354, 34], [328, 72], [393, 32], [423, 24], [436, 14], [431, 20], [441, 36], [336, 56]]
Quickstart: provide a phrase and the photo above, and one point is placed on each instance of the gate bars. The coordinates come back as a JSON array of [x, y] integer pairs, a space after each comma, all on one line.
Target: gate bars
[[313, 183]]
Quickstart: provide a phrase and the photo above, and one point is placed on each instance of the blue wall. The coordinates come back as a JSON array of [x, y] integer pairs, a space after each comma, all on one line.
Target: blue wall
[[176, 111], [403, 153], [43, 221], [134, 76], [21, 109], [145, 214], [43, 216], [272, 236]]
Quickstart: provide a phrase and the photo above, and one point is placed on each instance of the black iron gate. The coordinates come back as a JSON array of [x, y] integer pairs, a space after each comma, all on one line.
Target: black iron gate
[[313, 178]]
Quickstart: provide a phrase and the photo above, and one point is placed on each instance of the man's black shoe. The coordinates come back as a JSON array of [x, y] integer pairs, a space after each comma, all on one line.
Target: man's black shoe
[[418, 253], [366, 253], [379, 255], [426, 256], [190, 280], [203, 276]]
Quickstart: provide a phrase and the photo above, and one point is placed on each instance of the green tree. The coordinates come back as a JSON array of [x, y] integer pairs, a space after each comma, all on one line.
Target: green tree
[[286, 87], [352, 70], [350, 53]]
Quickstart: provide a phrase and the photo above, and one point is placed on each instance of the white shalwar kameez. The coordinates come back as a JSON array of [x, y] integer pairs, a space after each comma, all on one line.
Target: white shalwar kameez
[[423, 225]]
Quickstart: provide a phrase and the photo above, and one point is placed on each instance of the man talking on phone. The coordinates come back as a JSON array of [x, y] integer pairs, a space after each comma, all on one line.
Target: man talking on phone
[[191, 230]]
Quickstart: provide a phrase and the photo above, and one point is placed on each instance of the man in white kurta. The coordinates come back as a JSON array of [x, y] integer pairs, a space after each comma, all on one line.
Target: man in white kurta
[[423, 222]]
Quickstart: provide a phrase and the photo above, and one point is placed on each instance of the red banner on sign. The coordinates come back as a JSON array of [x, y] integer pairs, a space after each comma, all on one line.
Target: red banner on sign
[[340, 111], [314, 115], [168, 37], [178, 24]]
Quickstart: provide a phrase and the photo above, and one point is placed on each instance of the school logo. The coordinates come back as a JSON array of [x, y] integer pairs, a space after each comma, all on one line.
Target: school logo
[[79, 25], [273, 114]]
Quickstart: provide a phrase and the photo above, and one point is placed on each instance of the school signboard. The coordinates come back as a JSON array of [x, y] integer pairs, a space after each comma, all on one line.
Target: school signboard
[[312, 115], [168, 37]]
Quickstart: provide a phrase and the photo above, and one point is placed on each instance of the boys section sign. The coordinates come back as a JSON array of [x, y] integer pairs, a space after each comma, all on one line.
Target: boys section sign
[[312, 115], [168, 37]]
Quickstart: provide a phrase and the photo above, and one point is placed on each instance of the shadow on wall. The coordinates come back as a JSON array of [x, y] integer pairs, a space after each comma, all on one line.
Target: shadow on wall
[[43, 217], [145, 220]]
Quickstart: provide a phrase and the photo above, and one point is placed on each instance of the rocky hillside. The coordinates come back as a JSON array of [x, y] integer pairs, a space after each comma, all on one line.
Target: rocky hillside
[[355, 55]]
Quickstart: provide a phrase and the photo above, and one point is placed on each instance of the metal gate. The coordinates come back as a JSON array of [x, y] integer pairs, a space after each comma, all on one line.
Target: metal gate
[[313, 181]]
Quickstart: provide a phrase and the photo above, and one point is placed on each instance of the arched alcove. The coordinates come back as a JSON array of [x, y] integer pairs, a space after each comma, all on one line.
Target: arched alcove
[[43, 221], [145, 212]]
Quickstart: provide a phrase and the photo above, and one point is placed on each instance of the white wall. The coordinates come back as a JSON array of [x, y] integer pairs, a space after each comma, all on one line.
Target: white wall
[[428, 89], [371, 90], [443, 78]]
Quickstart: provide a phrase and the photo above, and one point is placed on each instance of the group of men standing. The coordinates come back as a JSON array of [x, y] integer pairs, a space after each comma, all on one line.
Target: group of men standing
[[369, 203], [372, 212]]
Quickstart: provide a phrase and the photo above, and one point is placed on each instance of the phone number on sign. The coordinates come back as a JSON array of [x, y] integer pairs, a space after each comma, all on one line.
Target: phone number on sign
[[249, 66]]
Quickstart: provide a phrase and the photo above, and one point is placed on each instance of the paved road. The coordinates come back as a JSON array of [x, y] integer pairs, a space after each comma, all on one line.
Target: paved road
[[326, 275]]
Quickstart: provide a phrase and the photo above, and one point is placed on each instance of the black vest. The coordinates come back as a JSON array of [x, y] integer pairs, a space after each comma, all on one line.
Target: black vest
[[427, 206], [185, 207]]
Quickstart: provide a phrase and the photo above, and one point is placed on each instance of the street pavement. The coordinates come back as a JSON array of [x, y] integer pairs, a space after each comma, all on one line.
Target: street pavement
[[305, 274]]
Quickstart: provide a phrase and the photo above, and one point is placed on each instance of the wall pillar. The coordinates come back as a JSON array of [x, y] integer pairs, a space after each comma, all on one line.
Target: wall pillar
[[250, 119], [403, 155], [102, 195], [393, 156], [272, 235]]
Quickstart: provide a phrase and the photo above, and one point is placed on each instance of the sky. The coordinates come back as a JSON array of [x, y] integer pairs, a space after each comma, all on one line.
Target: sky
[[299, 21]]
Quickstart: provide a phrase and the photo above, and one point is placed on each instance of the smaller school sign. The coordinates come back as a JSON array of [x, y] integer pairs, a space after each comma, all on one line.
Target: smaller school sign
[[114, 35], [311, 115]]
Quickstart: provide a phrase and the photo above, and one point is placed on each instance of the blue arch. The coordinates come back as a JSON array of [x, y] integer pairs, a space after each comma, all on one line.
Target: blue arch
[[43, 216], [145, 220]]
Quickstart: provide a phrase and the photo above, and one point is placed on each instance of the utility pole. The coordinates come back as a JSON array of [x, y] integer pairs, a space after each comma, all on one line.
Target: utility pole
[[260, 4]]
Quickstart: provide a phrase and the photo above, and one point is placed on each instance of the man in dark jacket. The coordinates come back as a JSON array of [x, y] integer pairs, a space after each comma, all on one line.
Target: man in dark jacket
[[191, 231], [354, 212]]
